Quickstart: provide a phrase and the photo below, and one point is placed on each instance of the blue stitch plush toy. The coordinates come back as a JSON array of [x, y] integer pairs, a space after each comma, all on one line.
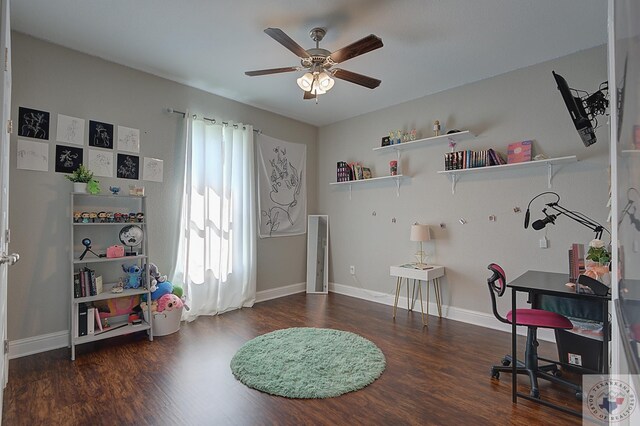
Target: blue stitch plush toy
[[134, 276]]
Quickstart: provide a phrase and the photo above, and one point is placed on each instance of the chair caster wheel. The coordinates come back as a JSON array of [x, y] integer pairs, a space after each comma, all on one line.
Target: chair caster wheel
[[535, 393], [579, 396], [495, 374], [506, 362], [557, 373]]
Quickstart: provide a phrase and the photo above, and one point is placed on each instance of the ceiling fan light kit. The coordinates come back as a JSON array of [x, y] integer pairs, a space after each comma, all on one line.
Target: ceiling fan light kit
[[319, 78]]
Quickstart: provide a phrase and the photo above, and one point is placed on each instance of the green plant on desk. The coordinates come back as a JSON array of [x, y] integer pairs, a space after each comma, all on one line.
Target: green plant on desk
[[598, 252]]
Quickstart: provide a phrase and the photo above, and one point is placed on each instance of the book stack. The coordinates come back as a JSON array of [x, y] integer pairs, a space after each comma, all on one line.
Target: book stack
[[86, 283], [470, 159], [89, 322]]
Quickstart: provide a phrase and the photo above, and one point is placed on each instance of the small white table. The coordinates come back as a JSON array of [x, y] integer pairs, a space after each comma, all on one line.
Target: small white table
[[433, 273]]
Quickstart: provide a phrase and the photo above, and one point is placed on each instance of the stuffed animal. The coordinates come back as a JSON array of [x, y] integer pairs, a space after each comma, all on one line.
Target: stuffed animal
[[169, 302], [177, 290], [134, 276], [163, 288], [155, 276], [93, 186]]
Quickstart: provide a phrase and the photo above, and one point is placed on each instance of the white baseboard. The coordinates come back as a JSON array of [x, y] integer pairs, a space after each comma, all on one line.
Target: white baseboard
[[450, 312], [37, 344], [60, 339], [264, 295]]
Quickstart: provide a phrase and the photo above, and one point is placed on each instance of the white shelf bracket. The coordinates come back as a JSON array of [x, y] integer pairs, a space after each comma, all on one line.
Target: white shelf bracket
[[549, 174], [350, 185], [454, 180], [397, 187]]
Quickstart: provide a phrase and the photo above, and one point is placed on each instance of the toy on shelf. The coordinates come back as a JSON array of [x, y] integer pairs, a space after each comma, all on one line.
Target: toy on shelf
[[134, 276], [114, 190]]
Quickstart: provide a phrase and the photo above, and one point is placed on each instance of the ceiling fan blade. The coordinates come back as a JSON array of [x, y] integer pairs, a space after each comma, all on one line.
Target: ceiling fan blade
[[360, 47], [356, 78], [271, 71], [308, 95], [278, 35]]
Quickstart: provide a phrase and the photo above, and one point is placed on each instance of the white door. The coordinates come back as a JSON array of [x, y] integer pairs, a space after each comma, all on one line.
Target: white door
[[5, 259]]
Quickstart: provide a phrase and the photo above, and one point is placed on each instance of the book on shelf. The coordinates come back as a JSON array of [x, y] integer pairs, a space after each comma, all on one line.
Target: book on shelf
[[98, 321], [91, 321], [519, 152], [77, 291], [82, 319], [92, 282], [98, 284], [468, 159]]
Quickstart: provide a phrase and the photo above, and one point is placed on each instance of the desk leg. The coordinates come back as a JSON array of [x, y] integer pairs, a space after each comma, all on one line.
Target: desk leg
[[408, 308], [436, 289], [395, 304], [514, 349], [421, 305], [605, 337], [427, 287]]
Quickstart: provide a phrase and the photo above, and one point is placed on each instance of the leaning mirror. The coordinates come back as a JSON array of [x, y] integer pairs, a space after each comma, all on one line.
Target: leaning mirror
[[318, 254]]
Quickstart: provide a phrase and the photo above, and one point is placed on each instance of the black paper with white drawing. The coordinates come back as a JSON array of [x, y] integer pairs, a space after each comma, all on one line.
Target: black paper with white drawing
[[68, 158], [33, 123], [100, 134], [128, 166]]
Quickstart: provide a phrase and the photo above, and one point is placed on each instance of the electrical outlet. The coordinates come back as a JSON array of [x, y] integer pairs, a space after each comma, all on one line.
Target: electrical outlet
[[544, 243], [352, 270]]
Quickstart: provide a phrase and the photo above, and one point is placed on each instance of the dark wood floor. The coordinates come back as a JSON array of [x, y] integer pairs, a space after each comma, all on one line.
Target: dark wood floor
[[437, 375]]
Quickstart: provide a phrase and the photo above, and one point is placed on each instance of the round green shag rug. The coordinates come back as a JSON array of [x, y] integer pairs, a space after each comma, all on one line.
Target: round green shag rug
[[308, 363]]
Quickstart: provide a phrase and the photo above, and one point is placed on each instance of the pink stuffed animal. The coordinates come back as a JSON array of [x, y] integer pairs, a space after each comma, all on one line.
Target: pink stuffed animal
[[169, 302]]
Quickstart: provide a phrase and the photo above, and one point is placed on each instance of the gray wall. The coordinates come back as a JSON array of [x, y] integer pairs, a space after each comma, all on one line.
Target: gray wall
[[519, 105], [62, 81]]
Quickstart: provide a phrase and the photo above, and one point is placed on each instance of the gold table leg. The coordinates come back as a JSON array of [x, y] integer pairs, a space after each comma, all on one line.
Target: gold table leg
[[421, 305], [395, 304], [436, 289], [408, 308]]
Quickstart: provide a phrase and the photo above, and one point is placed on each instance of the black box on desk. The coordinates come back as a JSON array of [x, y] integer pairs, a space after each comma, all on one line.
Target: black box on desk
[[578, 350]]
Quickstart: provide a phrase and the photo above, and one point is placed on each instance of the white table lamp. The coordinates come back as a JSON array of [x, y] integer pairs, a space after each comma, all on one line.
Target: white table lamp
[[420, 233]]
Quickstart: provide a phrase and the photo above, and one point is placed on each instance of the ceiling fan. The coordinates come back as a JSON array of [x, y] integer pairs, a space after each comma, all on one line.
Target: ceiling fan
[[319, 62]]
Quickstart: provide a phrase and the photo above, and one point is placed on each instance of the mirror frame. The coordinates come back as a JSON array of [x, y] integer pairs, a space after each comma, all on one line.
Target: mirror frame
[[313, 242]]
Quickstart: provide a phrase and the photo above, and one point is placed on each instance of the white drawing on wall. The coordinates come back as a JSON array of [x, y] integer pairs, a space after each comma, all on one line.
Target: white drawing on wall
[[152, 169], [101, 162], [70, 130], [128, 139], [281, 187], [33, 156]]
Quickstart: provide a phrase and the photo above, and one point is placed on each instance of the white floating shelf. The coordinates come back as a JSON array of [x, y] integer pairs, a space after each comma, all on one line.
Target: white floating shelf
[[631, 151], [397, 178], [455, 137], [549, 162]]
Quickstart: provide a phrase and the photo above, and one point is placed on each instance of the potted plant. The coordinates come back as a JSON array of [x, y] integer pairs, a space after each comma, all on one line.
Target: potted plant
[[598, 261], [80, 177]]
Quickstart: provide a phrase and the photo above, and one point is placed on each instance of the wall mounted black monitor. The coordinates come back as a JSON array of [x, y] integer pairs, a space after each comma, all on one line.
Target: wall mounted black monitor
[[576, 111]]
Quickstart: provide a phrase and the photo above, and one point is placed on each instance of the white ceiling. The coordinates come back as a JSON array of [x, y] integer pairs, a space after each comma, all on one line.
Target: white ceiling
[[429, 45]]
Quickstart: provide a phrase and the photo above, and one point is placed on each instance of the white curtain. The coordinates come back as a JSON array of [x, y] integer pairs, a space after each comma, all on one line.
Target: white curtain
[[216, 261]]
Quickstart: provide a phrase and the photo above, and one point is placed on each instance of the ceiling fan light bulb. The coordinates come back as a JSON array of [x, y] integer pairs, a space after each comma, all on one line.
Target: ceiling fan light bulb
[[325, 81], [305, 82]]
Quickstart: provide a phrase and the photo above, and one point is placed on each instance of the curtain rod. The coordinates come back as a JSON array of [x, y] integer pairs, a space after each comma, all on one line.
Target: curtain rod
[[212, 120]]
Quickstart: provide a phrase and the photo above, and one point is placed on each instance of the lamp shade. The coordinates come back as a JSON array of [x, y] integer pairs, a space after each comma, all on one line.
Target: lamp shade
[[305, 81], [420, 232]]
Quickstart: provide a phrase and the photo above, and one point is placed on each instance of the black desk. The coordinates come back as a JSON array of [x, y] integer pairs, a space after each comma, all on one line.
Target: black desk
[[537, 283]]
